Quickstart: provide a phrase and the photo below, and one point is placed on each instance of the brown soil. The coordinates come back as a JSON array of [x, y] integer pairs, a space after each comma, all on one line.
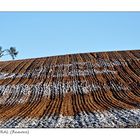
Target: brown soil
[[70, 103]]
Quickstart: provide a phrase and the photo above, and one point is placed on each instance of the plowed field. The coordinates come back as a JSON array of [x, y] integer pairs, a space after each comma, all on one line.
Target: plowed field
[[89, 90]]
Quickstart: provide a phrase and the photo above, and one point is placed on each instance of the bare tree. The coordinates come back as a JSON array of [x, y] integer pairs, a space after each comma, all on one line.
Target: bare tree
[[11, 51]]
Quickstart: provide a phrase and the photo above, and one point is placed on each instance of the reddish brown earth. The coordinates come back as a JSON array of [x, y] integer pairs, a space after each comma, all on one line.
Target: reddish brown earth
[[69, 85]]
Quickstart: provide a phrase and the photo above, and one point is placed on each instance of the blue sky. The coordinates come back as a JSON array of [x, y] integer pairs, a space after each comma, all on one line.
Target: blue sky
[[41, 34]]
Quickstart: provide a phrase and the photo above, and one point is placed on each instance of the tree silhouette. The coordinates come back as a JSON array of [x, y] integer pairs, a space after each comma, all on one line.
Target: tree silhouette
[[11, 51]]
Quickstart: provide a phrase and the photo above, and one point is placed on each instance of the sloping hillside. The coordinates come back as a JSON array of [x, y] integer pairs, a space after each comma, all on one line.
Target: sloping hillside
[[79, 90]]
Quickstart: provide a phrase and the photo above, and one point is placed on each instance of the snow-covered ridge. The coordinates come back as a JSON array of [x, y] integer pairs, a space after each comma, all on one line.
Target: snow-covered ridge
[[72, 69], [113, 118], [55, 88], [43, 73], [57, 74]]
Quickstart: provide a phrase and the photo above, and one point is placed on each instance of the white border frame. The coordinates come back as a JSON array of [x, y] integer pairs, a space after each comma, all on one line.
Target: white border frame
[[69, 5]]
